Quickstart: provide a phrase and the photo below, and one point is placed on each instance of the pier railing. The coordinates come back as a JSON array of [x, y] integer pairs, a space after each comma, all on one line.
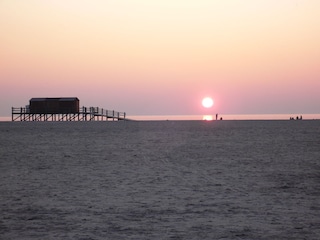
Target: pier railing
[[84, 114], [100, 112]]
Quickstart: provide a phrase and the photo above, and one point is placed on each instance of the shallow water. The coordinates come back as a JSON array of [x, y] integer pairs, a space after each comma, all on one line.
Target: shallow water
[[160, 180]]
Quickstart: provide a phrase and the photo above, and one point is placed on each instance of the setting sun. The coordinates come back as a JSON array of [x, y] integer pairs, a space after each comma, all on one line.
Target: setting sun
[[207, 102]]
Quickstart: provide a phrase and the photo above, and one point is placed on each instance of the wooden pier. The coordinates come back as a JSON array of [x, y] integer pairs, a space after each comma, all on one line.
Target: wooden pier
[[84, 114]]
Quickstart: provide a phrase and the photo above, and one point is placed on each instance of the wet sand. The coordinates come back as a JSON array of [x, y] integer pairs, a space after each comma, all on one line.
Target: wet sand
[[160, 180]]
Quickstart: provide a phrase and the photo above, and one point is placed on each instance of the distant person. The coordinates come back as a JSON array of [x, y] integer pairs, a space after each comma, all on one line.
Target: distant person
[[217, 116], [301, 117]]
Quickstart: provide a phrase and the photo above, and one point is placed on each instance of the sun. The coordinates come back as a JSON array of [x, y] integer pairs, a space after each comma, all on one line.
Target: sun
[[207, 102]]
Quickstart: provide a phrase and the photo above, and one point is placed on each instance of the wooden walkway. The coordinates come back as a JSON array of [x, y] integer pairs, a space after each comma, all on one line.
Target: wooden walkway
[[84, 114]]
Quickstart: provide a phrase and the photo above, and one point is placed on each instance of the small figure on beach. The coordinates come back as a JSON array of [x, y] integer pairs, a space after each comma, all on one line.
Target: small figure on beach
[[217, 116]]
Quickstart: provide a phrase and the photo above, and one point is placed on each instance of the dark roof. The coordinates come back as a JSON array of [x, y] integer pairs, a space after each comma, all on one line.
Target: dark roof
[[68, 99], [37, 99], [57, 99]]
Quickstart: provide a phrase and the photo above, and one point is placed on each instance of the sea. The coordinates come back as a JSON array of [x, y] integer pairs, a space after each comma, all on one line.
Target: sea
[[190, 179], [210, 117], [213, 117]]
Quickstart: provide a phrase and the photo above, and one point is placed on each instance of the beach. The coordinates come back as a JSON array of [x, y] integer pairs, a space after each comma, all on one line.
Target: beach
[[160, 180]]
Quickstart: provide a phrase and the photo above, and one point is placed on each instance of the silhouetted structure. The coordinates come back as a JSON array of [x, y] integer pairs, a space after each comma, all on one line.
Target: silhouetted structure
[[54, 105], [63, 109]]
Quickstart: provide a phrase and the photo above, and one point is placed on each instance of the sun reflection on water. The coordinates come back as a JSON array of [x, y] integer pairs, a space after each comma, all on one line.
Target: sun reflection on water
[[207, 117]]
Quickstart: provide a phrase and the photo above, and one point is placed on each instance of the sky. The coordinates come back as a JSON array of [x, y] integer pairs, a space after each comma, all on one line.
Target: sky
[[162, 57]]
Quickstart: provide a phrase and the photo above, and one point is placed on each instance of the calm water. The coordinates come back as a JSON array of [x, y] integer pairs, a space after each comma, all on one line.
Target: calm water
[[213, 117], [160, 180], [227, 117]]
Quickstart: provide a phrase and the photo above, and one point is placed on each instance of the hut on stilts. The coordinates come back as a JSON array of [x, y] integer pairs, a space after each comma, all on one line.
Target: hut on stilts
[[63, 109]]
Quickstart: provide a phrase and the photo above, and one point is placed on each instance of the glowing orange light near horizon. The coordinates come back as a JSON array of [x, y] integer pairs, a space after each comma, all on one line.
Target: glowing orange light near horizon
[[207, 118], [207, 102]]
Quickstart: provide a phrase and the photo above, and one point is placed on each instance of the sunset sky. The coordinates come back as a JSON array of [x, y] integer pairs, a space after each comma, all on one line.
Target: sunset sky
[[150, 57]]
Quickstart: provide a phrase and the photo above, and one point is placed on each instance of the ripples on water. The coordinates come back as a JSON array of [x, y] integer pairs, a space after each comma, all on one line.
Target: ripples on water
[[160, 180]]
